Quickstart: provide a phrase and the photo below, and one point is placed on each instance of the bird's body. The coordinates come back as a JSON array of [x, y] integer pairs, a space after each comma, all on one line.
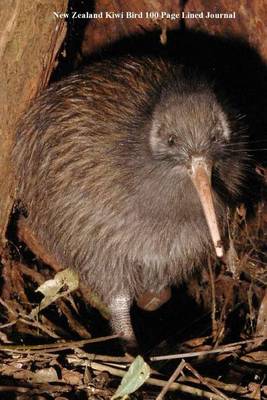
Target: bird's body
[[102, 159]]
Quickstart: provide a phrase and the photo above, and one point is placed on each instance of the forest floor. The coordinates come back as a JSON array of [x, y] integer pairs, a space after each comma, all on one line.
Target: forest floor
[[207, 342]]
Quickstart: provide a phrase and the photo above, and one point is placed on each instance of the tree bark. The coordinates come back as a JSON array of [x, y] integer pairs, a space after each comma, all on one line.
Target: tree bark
[[30, 38]]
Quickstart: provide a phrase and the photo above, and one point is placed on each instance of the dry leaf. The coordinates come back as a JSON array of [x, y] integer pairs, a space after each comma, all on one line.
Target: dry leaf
[[45, 375], [72, 377], [63, 283]]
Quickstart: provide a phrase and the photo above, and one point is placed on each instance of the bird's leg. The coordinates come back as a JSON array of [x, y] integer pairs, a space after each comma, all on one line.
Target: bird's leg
[[121, 323]]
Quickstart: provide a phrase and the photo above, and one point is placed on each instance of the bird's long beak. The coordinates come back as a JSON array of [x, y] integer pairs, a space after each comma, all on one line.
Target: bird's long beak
[[201, 177]]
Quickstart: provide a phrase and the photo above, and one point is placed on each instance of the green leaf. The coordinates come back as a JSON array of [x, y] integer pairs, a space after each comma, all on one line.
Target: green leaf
[[134, 378]]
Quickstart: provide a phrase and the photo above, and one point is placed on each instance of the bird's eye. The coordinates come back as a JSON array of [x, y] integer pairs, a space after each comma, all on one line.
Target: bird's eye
[[216, 134], [171, 140], [214, 137]]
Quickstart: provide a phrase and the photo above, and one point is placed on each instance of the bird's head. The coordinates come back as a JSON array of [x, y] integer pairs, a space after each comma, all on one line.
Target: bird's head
[[192, 133]]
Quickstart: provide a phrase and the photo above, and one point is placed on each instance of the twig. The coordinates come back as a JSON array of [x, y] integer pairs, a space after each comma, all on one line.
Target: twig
[[54, 346], [232, 347], [205, 382], [99, 357], [151, 381], [194, 354], [173, 377], [4, 304], [8, 324], [39, 326], [72, 322], [227, 387]]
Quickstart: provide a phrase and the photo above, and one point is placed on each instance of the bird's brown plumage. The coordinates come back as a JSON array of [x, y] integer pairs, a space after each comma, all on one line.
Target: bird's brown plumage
[[102, 162]]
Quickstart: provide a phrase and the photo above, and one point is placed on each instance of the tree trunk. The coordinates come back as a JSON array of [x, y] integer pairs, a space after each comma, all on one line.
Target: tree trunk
[[30, 38]]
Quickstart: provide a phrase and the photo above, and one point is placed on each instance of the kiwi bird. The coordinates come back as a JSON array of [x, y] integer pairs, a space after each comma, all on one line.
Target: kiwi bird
[[126, 169]]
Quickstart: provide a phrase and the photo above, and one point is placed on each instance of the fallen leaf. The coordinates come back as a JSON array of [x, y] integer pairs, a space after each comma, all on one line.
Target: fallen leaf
[[135, 377], [63, 283], [45, 375], [71, 377]]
